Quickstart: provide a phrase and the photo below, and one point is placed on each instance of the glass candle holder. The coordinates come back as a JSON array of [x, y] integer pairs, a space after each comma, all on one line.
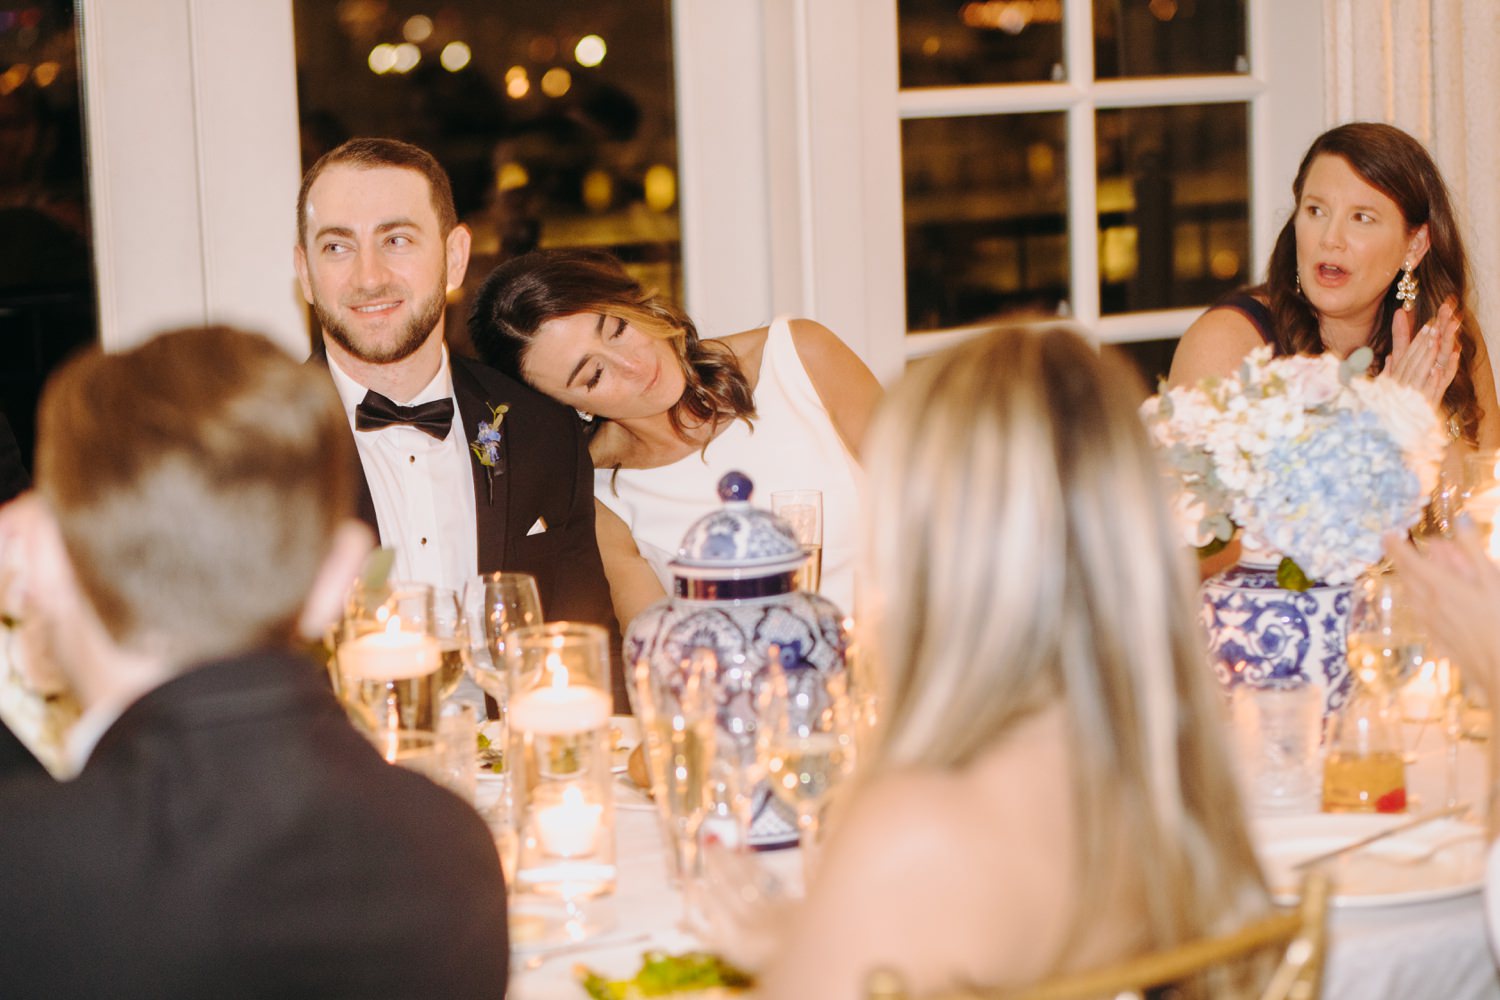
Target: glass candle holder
[[389, 679], [559, 758]]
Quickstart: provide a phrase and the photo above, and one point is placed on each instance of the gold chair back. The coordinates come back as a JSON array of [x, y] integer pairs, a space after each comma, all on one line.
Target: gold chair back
[[1302, 934]]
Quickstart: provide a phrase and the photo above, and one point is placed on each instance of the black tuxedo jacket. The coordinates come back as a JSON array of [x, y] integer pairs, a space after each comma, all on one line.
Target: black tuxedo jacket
[[232, 836], [544, 474]]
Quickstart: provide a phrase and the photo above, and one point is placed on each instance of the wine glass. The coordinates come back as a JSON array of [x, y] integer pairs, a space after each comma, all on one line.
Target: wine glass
[[1387, 640], [805, 741], [677, 717], [393, 696], [494, 605], [451, 632]]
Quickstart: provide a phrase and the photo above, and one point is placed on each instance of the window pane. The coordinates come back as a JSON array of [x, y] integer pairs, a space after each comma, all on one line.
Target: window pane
[[1169, 38], [986, 217], [1151, 358], [945, 43], [556, 119], [47, 299], [1174, 208]]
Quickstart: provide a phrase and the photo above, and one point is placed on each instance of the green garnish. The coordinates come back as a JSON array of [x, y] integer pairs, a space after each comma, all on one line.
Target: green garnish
[[662, 974], [484, 741]]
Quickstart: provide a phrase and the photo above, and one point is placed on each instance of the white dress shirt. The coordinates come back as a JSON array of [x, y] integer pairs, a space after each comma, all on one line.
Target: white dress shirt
[[423, 488]]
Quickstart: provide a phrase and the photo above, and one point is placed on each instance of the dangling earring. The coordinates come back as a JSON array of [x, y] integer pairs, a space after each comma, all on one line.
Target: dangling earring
[[585, 416], [1406, 288], [1298, 273]]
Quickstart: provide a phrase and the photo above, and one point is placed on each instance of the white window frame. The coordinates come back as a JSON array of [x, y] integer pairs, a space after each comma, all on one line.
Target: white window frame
[[833, 227], [789, 154]]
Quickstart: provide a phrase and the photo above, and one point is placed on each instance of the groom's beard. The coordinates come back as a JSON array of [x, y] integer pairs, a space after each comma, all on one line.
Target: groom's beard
[[414, 336]]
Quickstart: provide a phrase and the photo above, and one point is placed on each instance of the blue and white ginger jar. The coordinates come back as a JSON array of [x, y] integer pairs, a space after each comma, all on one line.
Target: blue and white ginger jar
[[734, 594], [1266, 636]]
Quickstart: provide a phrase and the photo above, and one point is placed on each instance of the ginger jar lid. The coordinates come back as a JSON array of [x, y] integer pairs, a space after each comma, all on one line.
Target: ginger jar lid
[[738, 541]]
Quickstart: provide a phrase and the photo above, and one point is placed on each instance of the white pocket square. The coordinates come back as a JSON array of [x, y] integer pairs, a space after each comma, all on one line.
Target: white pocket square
[[540, 528]]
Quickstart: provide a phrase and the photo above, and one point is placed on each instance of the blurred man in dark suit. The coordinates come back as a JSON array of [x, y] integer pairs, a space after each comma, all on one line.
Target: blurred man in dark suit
[[229, 834]]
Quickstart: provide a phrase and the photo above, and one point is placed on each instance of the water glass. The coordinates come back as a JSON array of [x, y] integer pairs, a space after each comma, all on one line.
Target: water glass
[[1278, 731], [803, 510]]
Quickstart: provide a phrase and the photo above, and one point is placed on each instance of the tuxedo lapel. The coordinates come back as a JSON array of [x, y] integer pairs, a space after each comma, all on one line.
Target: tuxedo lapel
[[491, 484], [364, 502]]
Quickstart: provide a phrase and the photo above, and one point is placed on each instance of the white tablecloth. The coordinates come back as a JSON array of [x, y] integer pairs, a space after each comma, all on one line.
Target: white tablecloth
[[1437, 950]]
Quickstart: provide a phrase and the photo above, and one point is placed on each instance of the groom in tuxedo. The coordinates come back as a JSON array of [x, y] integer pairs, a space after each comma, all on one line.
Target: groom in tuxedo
[[465, 469]]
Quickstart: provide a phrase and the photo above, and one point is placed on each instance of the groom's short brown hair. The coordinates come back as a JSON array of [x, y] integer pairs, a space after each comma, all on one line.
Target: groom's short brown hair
[[197, 481]]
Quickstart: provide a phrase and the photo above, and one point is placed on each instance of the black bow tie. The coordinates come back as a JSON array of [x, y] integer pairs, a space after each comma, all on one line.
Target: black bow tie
[[376, 411]]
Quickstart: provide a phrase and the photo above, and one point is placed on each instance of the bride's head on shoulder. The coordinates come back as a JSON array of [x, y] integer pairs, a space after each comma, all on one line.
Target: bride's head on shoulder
[[575, 325]]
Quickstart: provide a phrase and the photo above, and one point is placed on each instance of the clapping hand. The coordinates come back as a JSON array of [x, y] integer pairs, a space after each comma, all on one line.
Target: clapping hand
[[1427, 361], [1455, 588]]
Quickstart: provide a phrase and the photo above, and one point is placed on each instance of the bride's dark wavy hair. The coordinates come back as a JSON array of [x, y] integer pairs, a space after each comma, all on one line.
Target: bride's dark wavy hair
[[1399, 167], [525, 292]]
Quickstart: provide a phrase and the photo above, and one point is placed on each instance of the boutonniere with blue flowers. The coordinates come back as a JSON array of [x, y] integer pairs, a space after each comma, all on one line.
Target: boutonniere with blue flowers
[[486, 446]]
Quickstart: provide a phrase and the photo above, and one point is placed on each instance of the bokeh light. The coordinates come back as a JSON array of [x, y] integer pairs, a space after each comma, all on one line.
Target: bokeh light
[[661, 187], [455, 56], [383, 58], [511, 176], [556, 81], [418, 28], [598, 190], [407, 57], [590, 50], [45, 73]]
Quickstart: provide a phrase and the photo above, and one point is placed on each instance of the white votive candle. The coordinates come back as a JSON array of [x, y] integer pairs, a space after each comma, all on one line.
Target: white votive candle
[[389, 655], [569, 829], [559, 710]]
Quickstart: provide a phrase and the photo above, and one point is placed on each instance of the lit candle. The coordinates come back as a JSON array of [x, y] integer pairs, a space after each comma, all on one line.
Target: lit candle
[[568, 829], [1423, 696], [559, 709], [389, 655]]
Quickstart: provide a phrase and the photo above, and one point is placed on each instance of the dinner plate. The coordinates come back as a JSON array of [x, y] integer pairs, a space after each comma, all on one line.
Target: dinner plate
[[1385, 873]]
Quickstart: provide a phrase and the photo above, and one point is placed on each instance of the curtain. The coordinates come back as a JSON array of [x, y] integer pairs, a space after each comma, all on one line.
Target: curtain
[[1431, 67]]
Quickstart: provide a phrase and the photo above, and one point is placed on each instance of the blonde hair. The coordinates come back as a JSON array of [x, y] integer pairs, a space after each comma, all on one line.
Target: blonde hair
[[1021, 553], [197, 481]]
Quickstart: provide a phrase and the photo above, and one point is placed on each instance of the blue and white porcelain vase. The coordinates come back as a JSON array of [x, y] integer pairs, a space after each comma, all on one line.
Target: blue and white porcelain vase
[[734, 594], [1267, 636]]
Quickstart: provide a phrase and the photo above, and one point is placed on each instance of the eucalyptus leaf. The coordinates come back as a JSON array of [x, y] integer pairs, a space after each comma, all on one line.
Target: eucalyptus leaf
[[1357, 363]]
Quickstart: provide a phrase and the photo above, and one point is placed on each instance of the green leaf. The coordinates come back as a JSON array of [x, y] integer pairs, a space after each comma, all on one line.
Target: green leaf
[[662, 974], [1290, 575], [1357, 363], [1214, 547], [377, 568]]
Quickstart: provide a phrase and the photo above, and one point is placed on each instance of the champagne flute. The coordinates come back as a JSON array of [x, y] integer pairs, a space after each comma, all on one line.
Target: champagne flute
[[451, 632], [495, 604], [805, 742], [678, 725], [803, 510]]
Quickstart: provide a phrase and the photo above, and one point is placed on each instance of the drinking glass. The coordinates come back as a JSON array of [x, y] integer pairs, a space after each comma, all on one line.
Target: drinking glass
[[1278, 731], [803, 510], [451, 632], [386, 658], [495, 604], [677, 720], [805, 742], [1387, 640]]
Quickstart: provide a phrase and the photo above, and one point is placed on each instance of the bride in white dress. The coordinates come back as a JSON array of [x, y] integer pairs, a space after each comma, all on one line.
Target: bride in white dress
[[786, 404]]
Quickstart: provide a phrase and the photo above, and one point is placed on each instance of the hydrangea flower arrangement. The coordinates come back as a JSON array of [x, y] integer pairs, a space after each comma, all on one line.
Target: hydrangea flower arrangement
[[1311, 457]]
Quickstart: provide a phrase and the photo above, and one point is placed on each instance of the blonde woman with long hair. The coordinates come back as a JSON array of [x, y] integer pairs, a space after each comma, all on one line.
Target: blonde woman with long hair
[[1049, 792]]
